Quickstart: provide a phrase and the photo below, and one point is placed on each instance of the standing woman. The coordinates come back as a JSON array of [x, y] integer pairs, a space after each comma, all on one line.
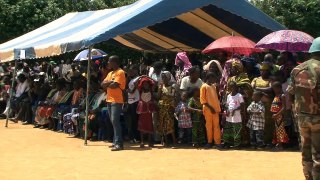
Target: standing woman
[[213, 66], [263, 84], [183, 63], [167, 94], [191, 81], [243, 83], [226, 75]]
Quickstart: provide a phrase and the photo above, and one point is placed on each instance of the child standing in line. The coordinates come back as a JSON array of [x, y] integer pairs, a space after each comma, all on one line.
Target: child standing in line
[[277, 108], [256, 122], [184, 119], [233, 126], [146, 107], [198, 122], [211, 108]]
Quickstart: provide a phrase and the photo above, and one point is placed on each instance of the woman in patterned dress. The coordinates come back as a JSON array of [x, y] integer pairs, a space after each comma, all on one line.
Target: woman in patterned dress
[[263, 84], [183, 63], [243, 82], [167, 99], [277, 108]]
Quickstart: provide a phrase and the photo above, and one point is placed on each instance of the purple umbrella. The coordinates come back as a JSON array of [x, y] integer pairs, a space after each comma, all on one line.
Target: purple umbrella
[[286, 40]]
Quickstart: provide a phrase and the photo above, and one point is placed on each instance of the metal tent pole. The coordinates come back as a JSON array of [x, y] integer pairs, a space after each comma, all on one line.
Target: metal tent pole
[[11, 91], [87, 98]]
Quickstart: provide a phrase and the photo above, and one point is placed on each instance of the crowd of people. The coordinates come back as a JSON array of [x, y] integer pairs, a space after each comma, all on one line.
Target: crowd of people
[[243, 102], [237, 103]]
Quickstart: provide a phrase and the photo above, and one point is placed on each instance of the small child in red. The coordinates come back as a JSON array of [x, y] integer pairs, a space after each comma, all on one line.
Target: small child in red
[[146, 107]]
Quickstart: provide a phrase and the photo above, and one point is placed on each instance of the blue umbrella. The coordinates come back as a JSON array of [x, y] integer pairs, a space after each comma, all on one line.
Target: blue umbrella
[[95, 53]]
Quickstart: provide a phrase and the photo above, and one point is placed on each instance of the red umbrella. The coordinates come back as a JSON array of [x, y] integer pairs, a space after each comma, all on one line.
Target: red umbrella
[[286, 40], [232, 44]]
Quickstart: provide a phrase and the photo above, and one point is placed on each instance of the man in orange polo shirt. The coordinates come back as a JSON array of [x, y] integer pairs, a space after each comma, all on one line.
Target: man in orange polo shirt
[[114, 84]]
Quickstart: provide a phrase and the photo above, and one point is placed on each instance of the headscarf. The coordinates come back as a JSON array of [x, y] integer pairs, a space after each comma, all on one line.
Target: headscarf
[[167, 74], [255, 72], [225, 75], [145, 79], [249, 60], [237, 65], [207, 66], [182, 56], [265, 67], [242, 80]]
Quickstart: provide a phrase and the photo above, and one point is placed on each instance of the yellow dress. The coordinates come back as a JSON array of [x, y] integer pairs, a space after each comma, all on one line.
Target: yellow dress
[[165, 124]]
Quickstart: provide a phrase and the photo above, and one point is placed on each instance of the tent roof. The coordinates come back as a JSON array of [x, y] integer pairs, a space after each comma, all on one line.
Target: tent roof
[[158, 25]]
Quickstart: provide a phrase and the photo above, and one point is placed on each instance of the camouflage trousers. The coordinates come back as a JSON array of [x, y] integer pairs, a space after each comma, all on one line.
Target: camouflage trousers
[[309, 127]]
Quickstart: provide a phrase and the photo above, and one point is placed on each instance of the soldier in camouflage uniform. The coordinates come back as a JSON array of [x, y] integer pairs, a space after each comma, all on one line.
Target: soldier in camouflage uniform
[[305, 89]]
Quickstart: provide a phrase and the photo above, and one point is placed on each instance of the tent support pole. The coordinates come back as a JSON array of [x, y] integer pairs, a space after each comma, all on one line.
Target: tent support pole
[[11, 91], [87, 98]]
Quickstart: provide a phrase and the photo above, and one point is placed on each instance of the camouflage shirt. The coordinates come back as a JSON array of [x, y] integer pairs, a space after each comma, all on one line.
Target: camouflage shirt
[[305, 86]]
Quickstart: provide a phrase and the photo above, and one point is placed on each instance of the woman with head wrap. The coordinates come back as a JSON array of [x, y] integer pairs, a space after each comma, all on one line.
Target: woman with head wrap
[[263, 84], [167, 93], [226, 74], [239, 76], [156, 71], [243, 82], [251, 68], [214, 67], [183, 63]]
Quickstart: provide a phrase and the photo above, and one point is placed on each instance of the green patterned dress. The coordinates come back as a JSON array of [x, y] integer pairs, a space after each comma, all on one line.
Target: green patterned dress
[[198, 123]]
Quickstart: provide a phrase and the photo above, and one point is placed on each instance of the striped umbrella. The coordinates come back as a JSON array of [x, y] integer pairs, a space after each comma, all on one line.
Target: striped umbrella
[[95, 54], [286, 40]]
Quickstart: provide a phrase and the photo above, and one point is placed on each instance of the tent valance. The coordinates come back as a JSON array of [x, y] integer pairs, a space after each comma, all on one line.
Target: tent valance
[[157, 25]]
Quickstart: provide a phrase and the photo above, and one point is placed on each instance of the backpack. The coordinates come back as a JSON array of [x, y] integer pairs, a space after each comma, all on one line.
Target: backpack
[[306, 78]]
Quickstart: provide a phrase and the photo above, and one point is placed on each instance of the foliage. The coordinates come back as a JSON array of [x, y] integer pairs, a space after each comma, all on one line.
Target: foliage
[[18, 17], [303, 15]]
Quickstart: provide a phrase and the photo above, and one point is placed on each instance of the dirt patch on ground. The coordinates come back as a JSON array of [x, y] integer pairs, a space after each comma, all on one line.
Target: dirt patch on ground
[[27, 153]]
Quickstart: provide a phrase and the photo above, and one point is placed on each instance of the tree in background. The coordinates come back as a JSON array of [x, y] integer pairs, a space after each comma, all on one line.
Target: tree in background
[[18, 17], [303, 15]]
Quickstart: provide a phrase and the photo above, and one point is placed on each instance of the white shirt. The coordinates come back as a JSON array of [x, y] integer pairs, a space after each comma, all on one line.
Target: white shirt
[[133, 97], [158, 78], [65, 68], [234, 102], [56, 69], [21, 88], [186, 83]]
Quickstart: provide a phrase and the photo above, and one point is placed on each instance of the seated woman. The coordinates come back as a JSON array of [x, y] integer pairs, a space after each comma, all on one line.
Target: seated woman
[[4, 96], [20, 103], [78, 118], [69, 119], [63, 107], [47, 107], [38, 93], [69, 104]]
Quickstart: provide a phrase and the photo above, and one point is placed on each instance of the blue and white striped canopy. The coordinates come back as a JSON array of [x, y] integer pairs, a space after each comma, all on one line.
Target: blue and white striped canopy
[[156, 25]]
